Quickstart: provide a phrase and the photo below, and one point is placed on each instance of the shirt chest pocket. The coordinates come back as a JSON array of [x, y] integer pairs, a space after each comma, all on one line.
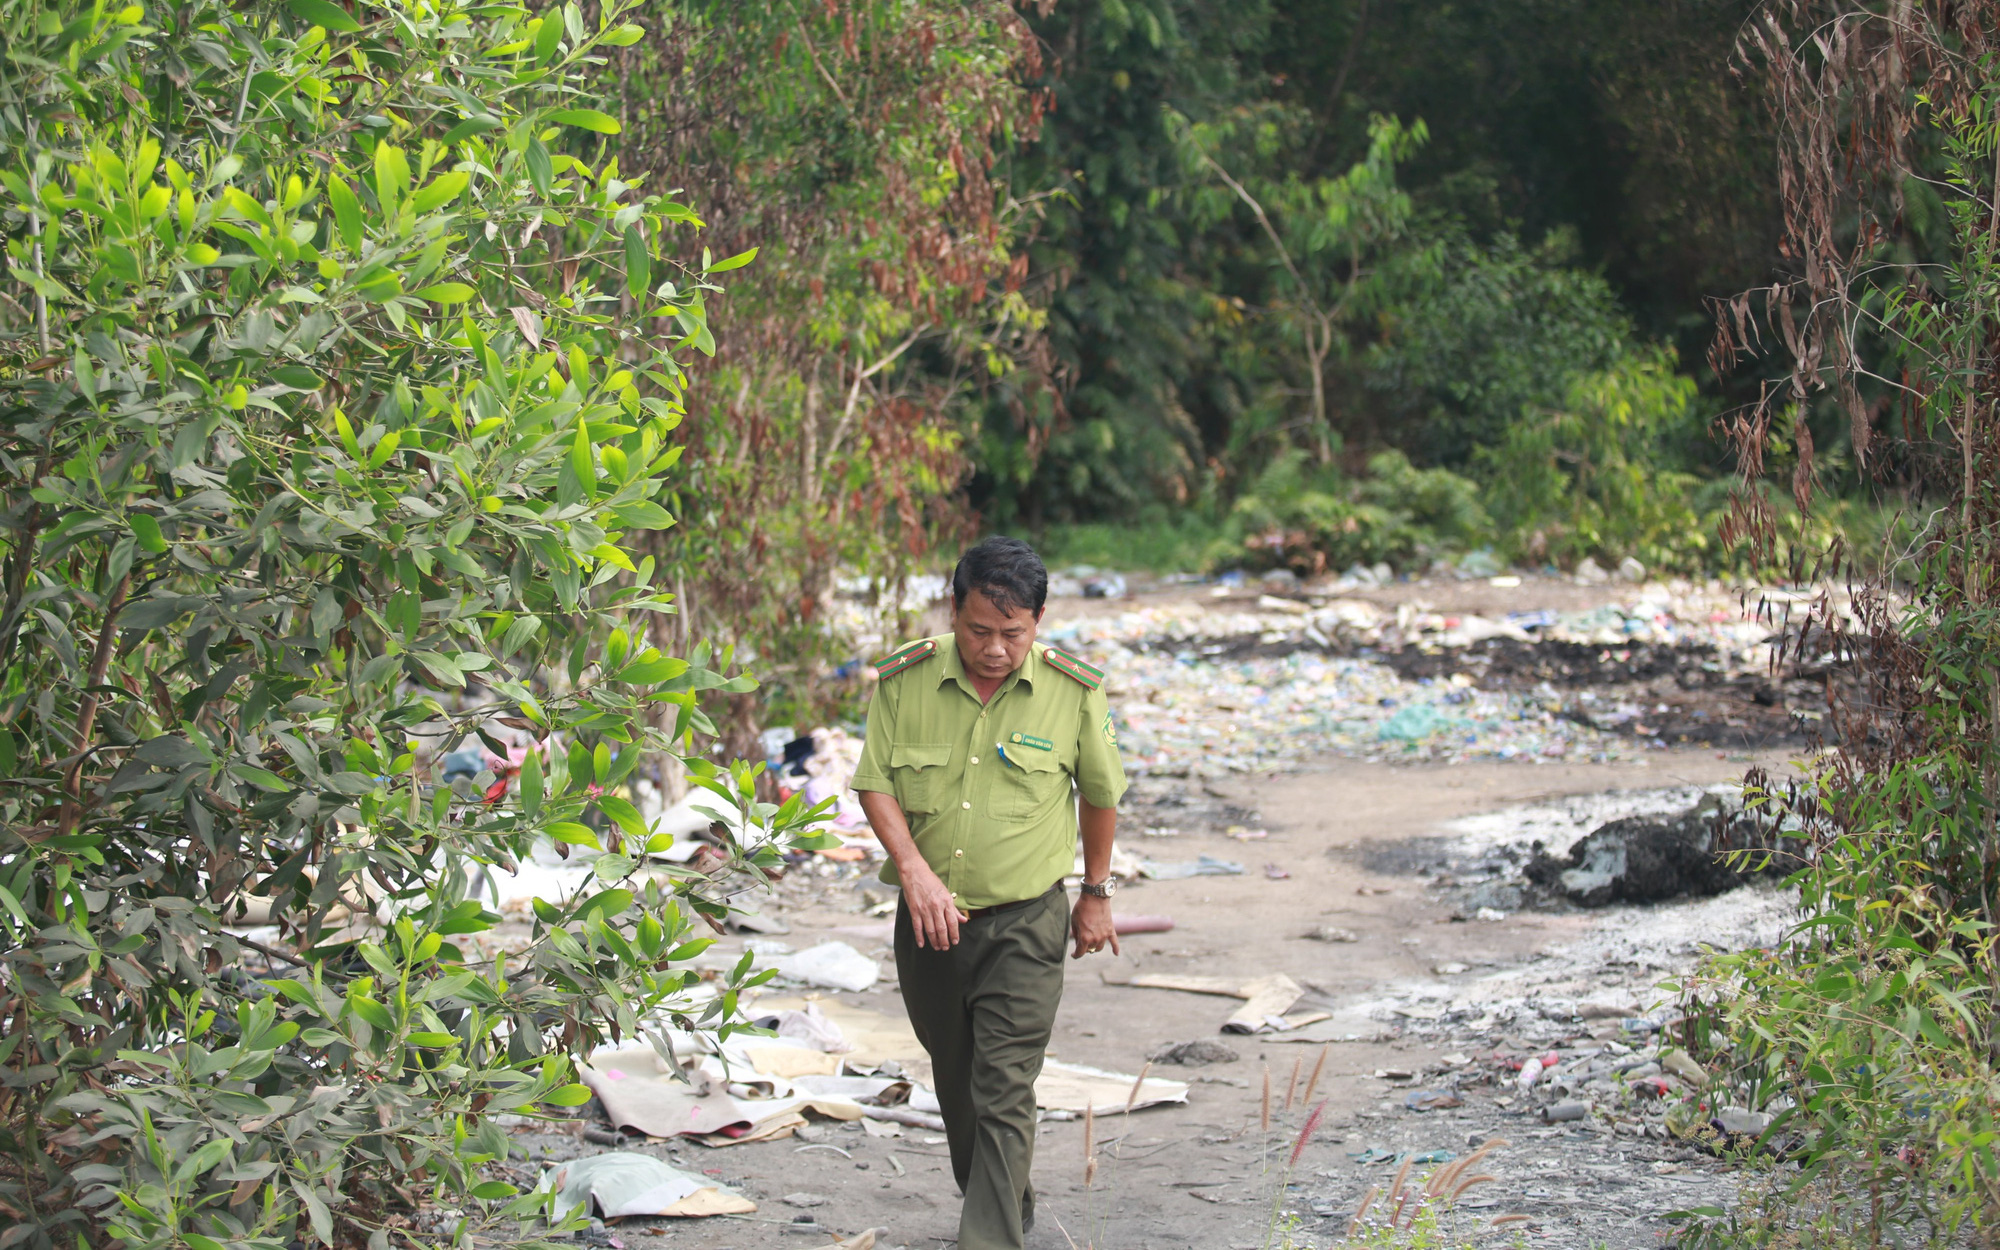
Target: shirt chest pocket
[[920, 775], [1030, 782]]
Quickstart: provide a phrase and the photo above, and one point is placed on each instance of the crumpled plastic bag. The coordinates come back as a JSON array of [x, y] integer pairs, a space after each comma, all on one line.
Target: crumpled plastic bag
[[831, 965]]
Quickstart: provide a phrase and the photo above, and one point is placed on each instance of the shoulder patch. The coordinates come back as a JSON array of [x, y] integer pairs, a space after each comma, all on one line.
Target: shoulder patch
[[897, 661], [1085, 675]]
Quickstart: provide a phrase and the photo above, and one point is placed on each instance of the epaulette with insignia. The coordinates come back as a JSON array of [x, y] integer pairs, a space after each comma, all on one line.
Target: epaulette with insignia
[[1076, 670], [917, 652]]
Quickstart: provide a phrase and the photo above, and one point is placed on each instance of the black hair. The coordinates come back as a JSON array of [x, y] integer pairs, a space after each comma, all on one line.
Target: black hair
[[1007, 571]]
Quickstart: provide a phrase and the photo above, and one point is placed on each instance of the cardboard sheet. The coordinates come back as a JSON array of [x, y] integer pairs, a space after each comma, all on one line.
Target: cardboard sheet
[[640, 1092], [1073, 1087], [1267, 999]]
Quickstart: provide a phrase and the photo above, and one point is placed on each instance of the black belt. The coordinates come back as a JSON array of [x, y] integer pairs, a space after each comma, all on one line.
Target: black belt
[[976, 912]]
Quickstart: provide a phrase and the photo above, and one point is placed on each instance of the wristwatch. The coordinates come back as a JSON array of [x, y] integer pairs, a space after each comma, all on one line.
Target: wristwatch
[[1103, 889]]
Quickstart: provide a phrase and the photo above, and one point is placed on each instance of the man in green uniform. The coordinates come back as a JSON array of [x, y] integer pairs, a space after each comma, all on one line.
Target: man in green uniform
[[985, 753]]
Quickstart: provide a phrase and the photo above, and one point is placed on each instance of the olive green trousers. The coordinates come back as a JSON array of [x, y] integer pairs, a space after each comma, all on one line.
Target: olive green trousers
[[984, 1010]]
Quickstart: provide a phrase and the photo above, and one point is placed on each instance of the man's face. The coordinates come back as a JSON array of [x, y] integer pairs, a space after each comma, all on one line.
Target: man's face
[[992, 643]]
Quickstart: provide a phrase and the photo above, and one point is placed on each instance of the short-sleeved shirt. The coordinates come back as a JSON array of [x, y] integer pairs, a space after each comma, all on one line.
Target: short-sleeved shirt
[[989, 789]]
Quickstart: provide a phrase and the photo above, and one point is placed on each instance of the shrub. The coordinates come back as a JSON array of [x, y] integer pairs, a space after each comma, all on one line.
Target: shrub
[[1588, 478], [1312, 521], [327, 408], [1870, 1030]]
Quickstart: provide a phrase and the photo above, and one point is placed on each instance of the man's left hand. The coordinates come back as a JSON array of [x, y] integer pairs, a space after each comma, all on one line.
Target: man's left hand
[[1090, 924]]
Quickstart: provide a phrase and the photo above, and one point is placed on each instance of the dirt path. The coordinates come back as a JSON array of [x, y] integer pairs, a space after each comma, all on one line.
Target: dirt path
[[1204, 1174]]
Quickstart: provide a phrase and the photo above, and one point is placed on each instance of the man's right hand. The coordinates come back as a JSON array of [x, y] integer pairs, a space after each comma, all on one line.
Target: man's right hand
[[933, 914]]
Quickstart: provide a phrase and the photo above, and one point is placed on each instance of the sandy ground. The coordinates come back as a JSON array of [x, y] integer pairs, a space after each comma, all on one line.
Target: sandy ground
[[1205, 1174]]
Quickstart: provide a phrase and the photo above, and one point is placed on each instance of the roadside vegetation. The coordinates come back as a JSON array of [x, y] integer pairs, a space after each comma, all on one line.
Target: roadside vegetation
[[339, 390], [1871, 1031]]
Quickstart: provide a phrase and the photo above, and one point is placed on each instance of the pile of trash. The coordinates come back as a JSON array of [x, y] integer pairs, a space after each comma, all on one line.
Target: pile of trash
[[820, 766], [1247, 686]]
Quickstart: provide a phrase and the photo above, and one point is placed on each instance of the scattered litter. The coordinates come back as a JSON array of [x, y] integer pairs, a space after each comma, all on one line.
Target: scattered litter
[[881, 1128], [1376, 1154], [1736, 1121], [1198, 1052], [1241, 685], [805, 1200], [1682, 1065], [1449, 970], [1329, 933], [1275, 873], [810, 1026], [1433, 1100], [1564, 1112], [621, 1183], [1206, 866]]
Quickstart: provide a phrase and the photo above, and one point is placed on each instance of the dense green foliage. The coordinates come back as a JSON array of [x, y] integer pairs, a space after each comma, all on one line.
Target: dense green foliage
[[333, 403], [1872, 1030], [1350, 226]]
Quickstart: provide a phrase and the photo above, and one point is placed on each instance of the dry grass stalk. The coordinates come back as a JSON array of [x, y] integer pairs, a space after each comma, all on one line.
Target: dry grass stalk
[[1312, 1082], [1293, 1087], [1403, 1200], [1264, 1114], [1398, 1194], [1305, 1135], [1447, 1181], [1402, 1174], [1133, 1097], [1470, 1181], [1508, 1219], [1354, 1225], [1089, 1144]]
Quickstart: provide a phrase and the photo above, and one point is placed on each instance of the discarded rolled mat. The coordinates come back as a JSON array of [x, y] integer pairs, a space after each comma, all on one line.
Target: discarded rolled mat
[[621, 1183]]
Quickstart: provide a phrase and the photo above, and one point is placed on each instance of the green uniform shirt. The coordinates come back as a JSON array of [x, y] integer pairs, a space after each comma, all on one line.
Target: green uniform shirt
[[987, 790]]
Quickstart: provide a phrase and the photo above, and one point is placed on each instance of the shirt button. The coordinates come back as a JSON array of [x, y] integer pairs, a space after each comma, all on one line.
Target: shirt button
[[975, 759], [959, 854], [966, 806]]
